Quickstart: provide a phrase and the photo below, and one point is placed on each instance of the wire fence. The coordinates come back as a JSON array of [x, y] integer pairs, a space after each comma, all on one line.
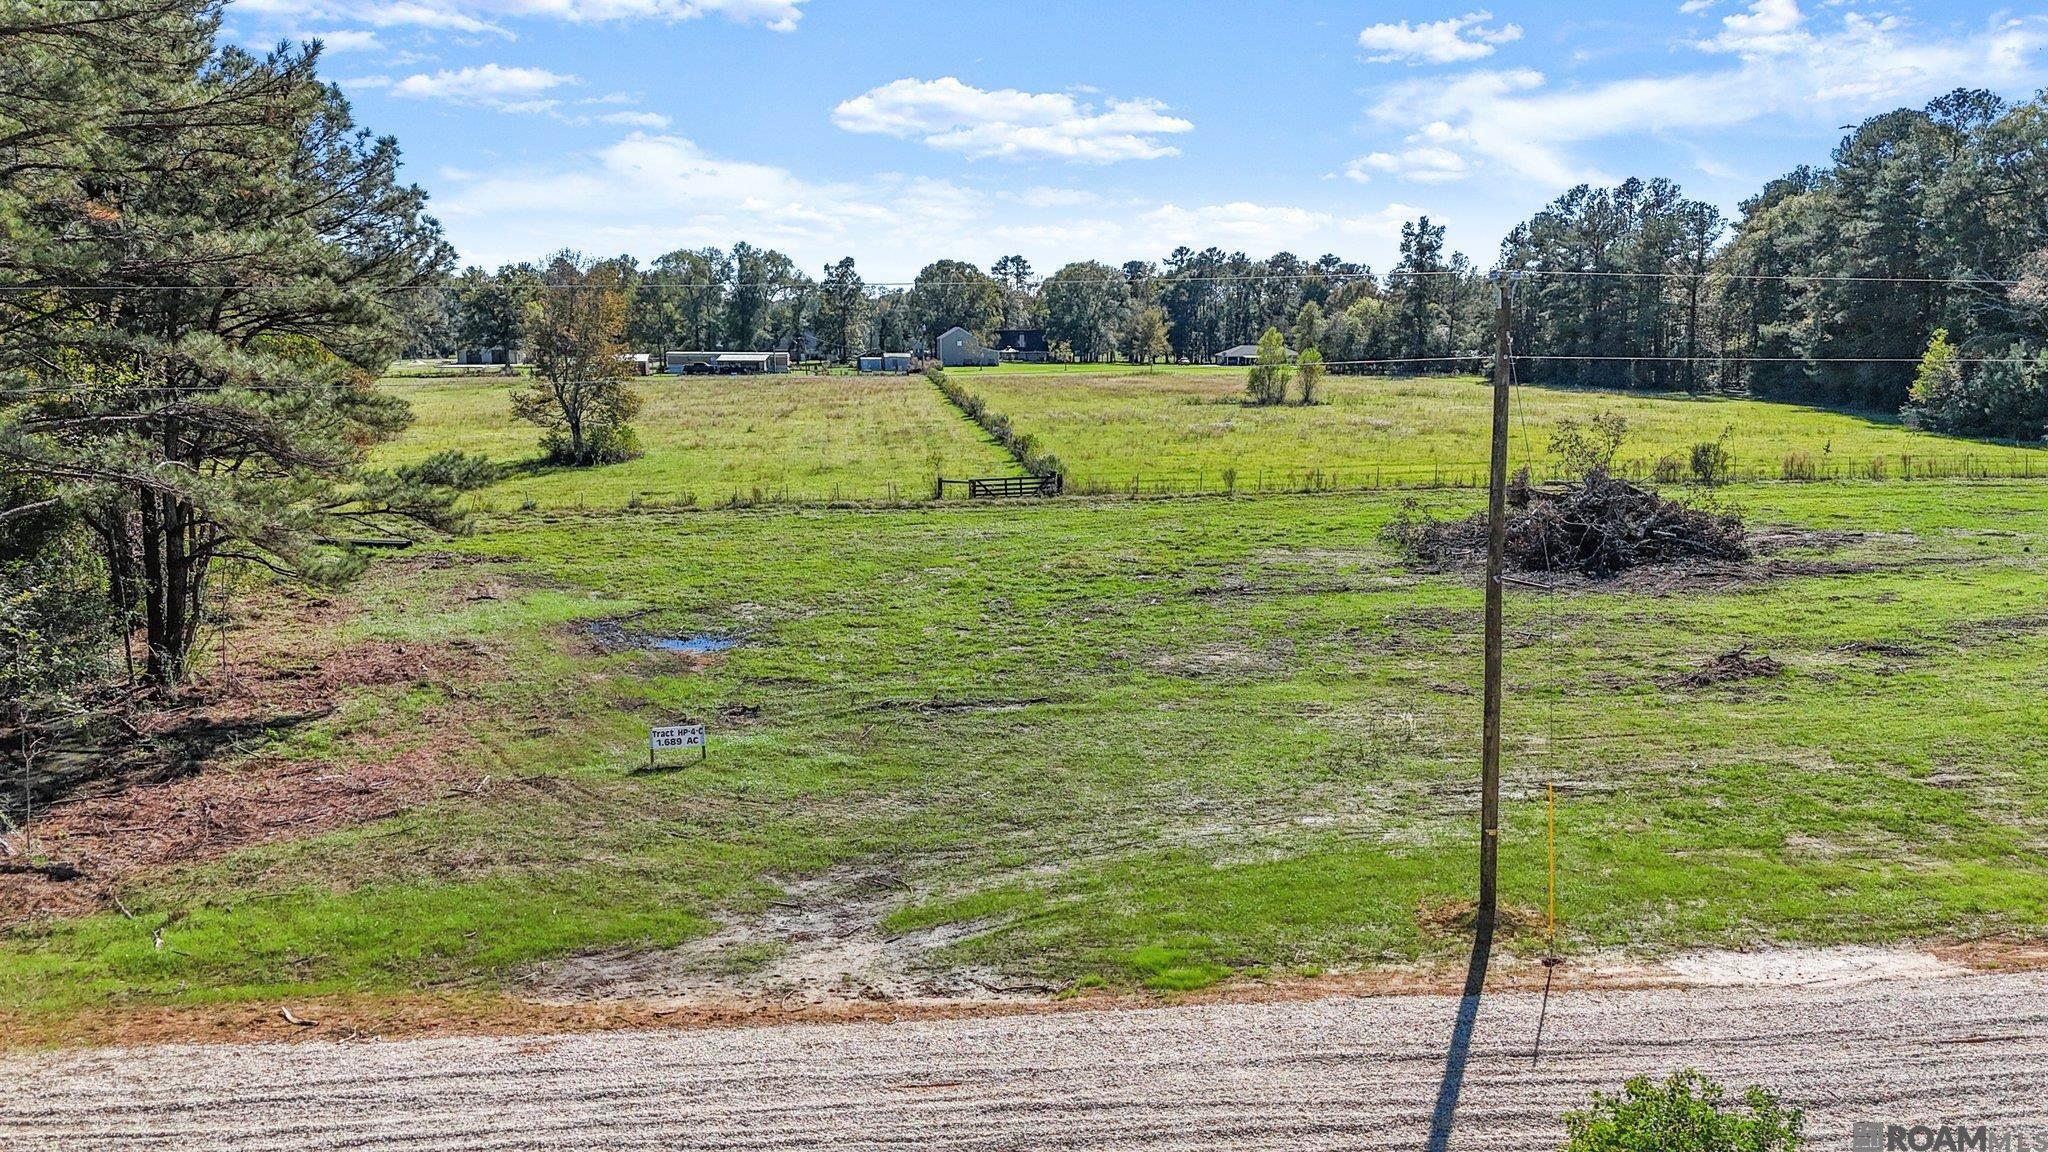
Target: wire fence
[[1795, 467]]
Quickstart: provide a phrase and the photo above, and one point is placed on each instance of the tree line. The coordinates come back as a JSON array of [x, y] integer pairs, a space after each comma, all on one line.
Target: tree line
[[1828, 286], [1188, 307], [1924, 237]]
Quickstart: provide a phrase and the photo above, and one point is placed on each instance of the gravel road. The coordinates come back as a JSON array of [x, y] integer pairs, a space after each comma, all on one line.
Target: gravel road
[[1338, 1073]]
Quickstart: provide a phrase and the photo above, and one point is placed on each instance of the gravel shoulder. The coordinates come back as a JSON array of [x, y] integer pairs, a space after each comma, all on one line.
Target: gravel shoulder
[[1334, 1073]]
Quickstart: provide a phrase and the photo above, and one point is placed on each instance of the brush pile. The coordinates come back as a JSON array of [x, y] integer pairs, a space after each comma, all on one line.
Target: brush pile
[[1599, 526]]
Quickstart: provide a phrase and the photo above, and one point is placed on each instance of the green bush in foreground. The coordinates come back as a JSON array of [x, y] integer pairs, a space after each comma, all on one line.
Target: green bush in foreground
[[1685, 1113]]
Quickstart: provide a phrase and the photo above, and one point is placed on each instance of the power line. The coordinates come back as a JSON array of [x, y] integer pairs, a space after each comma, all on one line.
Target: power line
[[1623, 359], [1339, 279], [1385, 362]]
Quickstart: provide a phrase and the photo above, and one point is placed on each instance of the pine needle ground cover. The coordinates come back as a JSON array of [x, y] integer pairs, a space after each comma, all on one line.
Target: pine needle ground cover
[[1157, 743], [1180, 429], [714, 440]]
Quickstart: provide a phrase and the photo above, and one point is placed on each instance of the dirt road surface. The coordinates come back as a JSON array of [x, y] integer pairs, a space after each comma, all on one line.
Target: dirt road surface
[[1343, 1073]]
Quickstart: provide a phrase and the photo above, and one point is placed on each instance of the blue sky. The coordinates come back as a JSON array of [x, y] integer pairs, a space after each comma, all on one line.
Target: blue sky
[[899, 133]]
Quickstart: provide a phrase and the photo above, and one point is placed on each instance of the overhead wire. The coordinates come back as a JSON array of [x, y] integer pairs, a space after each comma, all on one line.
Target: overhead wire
[[1339, 279]]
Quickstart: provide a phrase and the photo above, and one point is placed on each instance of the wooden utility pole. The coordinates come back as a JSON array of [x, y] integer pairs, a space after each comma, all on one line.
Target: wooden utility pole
[[1496, 548]]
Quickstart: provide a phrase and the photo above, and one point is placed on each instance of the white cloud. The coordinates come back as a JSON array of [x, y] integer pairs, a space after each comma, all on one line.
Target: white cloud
[[1383, 225], [1053, 197], [486, 86], [1768, 27], [957, 117], [1239, 224], [1769, 59], [1424, 164], [635, 119], [1448, 41], [343, 39], [485, 16], [651, 193]]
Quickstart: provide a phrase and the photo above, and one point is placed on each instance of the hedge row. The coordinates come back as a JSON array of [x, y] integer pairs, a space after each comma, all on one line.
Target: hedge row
[[1022, 446]]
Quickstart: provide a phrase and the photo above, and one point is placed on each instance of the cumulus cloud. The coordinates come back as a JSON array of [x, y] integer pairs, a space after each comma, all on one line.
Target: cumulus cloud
[[635, 119], [496, 86], [953, 116], [1770, 58], [1384, 225], [1449, 41], [1423, 164], [343, 40], [654, 192]]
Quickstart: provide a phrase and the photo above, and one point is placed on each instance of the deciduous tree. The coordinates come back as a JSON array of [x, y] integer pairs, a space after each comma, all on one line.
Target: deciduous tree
[[1268, 379], [578, 394]]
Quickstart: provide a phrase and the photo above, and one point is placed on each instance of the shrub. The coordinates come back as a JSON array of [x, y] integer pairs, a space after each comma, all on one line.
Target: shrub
[[1586, 446], [1799, 466], [1268, 379], [602, 444], [2007, 398], [1685, 1113], [1710, 461], [1310, 372]]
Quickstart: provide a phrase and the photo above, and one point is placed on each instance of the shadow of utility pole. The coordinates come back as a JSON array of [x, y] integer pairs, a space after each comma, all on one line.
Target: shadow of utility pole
[[1445, 1115]]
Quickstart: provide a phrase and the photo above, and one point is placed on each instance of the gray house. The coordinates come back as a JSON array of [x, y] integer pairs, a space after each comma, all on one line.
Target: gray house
[[959, 349]]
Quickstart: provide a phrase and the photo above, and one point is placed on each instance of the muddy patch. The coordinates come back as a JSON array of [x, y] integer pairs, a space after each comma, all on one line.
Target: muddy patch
[[1997, 630], [820, 942], [1728, 668], [612, 637], [1224, 660]]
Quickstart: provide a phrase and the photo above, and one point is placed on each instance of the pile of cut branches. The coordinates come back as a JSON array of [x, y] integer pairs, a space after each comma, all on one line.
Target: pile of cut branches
[[1599, 525]]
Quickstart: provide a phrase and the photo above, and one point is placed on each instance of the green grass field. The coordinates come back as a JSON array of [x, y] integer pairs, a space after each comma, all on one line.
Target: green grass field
[[713, 440], [1186, 428], [1149, 743]]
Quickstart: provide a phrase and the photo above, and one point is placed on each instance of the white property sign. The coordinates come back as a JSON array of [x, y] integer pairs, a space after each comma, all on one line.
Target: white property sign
[[677, 736], [680, 736]]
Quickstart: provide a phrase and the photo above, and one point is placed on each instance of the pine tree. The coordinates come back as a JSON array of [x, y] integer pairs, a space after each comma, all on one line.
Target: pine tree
[[204, 255]]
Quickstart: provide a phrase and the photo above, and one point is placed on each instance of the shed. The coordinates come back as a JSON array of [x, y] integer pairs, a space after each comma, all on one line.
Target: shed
[[751, 363], [725, 363], [887, 362], [499, 355], [1243, 356]]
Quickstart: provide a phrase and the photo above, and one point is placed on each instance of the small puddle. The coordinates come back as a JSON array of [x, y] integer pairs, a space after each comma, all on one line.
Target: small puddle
[[611, 636], [692, 645]]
